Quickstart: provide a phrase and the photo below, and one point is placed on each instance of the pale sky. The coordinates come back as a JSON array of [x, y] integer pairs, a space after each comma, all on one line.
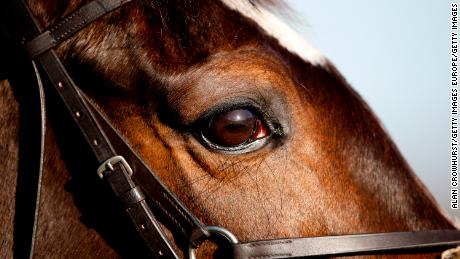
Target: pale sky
[[396, 54]]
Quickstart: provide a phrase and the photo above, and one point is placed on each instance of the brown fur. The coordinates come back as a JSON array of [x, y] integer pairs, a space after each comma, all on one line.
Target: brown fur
[[9, 151], [154, 67]]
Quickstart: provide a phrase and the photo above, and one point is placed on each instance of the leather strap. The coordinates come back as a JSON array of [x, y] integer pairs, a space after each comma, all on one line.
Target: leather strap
[[402, 242], [29, 176], [70, 25], [165, 201], [118, 179], [107, 144], [39, 177], [116, 176]]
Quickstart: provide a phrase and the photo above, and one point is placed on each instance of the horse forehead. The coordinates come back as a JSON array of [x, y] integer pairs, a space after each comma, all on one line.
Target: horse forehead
[[276, 28]]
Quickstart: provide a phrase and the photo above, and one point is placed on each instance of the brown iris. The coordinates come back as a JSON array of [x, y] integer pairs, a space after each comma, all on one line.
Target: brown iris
[[235, 127]]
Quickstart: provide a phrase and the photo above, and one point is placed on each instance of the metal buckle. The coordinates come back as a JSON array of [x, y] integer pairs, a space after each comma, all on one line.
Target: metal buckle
[[214, 230], [108, 165]]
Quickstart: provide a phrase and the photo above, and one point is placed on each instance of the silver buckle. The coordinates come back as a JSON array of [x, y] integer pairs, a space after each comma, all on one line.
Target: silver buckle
[[108, 165]]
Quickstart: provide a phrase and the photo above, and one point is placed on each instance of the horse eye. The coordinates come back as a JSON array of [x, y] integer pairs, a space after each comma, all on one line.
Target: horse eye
[[235, 128]]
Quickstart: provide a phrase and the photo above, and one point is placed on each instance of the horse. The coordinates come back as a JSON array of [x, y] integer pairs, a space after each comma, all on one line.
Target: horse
[[248, 125]]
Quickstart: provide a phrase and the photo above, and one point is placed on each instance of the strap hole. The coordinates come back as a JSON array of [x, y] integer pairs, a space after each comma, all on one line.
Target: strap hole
[[142, 226], [95, 142], [60, 84], [78, 114]]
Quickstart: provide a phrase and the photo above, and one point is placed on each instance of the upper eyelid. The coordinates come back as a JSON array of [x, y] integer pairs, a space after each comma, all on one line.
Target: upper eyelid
[[225, 107], [229, 106]]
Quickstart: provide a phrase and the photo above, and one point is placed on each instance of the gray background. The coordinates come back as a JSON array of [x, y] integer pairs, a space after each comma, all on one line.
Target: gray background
[[396, 54]]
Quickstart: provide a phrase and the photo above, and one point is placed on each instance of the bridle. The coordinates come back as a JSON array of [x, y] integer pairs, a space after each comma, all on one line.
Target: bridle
[[122, 169]]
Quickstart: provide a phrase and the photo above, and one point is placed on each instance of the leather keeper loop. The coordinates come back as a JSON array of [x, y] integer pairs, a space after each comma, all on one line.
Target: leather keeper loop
[[131, 197], [40, 44]]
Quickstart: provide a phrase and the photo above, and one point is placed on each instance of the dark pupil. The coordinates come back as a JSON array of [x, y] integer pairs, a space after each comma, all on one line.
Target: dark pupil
[[232, 128]]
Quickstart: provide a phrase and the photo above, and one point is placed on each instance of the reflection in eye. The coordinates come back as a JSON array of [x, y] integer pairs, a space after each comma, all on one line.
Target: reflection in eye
[[234, 128]]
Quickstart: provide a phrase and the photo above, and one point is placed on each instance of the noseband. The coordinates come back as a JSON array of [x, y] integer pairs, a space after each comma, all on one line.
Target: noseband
[[122, 169]]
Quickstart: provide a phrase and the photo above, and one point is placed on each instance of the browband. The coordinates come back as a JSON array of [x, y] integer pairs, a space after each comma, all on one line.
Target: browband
[[70, 25], [121, 167]]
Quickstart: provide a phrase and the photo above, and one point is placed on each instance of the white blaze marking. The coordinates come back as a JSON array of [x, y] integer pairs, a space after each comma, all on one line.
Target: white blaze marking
[[286, 36]]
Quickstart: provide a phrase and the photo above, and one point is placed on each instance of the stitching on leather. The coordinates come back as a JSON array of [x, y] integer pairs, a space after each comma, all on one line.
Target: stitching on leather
[[72, 29], [69, 18], [268, 256], [57, 26], [171, 217], [280, 242], [178, 209]]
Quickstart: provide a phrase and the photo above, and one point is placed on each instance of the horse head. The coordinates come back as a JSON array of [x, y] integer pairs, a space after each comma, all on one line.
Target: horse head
[[252, 128]]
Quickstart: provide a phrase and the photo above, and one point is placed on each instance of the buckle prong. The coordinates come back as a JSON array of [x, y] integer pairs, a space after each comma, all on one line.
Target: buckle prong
[[108, 166]]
